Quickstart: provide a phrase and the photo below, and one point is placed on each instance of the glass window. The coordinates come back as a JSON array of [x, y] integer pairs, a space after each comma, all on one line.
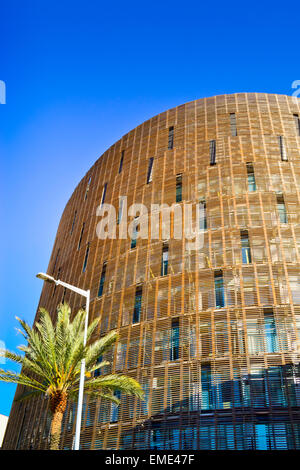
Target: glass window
[[246, 252], [121, 161], [103, 194], [102, 280], [203, 215], [297, 123], [251, 177], [81, 234], [212, 152], [74, 219], [86, 258], [281, 209], [282, 148], [271, 338], [97, 372], [165, 260], [219, 289], [206, 387], [178, 188], [174, 349], [150, 170], [114, 412], [171, 138], [137, 305], [134, 233]]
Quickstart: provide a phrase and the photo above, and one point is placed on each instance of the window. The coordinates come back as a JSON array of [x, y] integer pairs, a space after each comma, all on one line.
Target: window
[[281, 209], [246, 252], [203, 215], [174, 346], [81, 234], [297, 122], [87, 188], [114, 412], [137, 305], [120, 213], [164, 260], [73, 223], [251, 177], [121, 161], [97, 372], [270, 331], [150, 169], [219, 289], [102, 280], [206, 387], [282, 148], [134, 233], [212, 152], [171, 138], [178, 188], [103, 194], [86, 258], [233, 124]]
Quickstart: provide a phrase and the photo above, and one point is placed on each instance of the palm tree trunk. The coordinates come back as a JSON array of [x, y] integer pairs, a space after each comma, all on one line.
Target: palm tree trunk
[[55, 430], [58, 404]]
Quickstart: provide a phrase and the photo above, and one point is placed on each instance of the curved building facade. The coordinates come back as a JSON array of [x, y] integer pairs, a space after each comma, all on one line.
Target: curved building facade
[[211, 331]]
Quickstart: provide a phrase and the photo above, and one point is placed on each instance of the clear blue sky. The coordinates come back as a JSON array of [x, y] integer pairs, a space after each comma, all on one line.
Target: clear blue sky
[[79, 75]]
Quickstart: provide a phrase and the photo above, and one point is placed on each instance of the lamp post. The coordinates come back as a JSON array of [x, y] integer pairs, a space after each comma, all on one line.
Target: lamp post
[[86, 294]]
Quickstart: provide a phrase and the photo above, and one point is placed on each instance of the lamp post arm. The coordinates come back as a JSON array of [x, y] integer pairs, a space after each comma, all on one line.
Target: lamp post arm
[[82, 292]]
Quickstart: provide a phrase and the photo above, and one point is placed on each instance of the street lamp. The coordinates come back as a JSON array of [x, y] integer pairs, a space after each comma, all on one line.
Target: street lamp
[[86, 294]]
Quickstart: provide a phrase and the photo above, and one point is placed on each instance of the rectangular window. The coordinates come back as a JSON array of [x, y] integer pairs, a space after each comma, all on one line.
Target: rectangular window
[[87, 188], [174, 346], [121, 161], [114, 412], [246, 252], [178, 188], [282, 148], [270, 331], [164, 260], [103, 194], [203, 215], [73, 223], [297, 122], [219, 289], [137, 305], [233, 124], [134, 233], [150, 169], [281, 209], [206, 387], [102, 280], [251, 177], [212, 152], [121, 205], [86, 258], [97, 372], [81, 234], [171, 138]]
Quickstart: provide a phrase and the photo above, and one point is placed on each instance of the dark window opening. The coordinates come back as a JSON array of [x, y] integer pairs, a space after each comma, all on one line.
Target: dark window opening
[[137, 305], [174, 349], [281, 209], [102, 280], [81, 234], [251, 177], [219, 289], [165, 260], [297, 122], [103, 194], [121, 161], [203, 215], [271, 338], [150, 169], [178, 188], [171, 138], [73, 223], [212, 152], [86, 258], [246, 252]]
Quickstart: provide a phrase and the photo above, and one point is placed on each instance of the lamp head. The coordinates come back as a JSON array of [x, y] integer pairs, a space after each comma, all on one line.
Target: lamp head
[[45, 277]]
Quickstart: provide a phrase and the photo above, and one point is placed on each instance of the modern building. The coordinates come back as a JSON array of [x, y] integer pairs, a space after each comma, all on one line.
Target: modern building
[[211, 330]]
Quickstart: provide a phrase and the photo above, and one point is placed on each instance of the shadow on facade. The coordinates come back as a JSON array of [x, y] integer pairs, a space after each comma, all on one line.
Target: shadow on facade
[[259, 411]]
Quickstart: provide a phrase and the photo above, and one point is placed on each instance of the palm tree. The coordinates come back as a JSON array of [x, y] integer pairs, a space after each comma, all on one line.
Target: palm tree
[[51, 364]]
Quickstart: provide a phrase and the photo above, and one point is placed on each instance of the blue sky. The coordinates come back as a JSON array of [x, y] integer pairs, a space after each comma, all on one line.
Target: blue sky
[[79, 75]]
